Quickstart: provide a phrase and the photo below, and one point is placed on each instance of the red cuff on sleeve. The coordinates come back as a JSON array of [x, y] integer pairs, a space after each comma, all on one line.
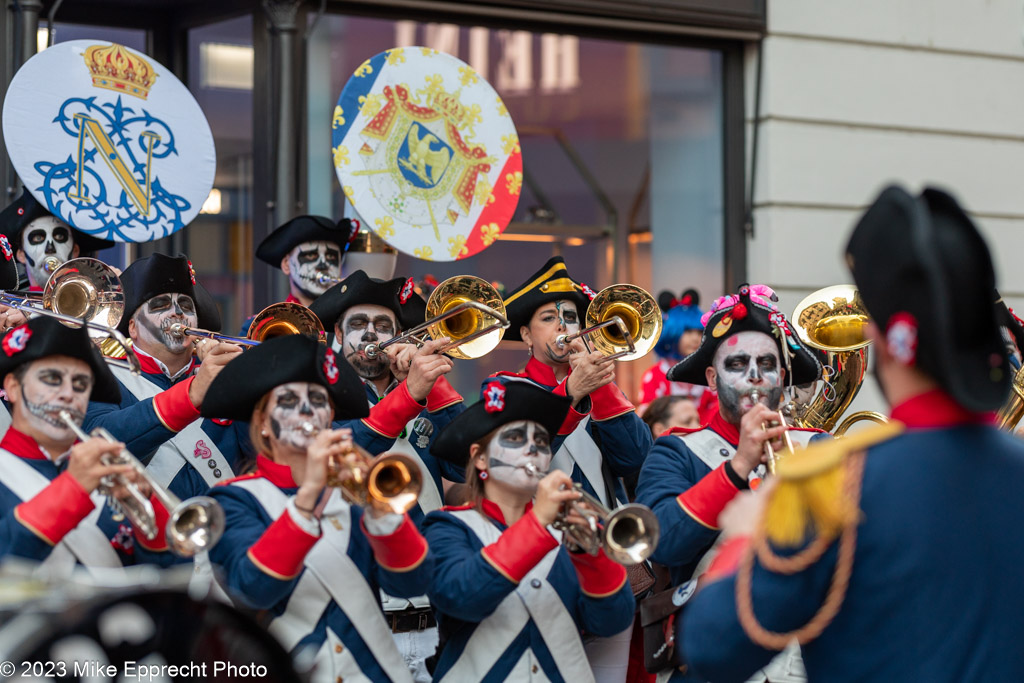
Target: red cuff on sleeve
[[609, 402], [727, 561], [159, 543], [599, 576], [174, 407], [442, 395], [706, 499], [55, 510], [573, 419], [282, 548], [520, 548], [401, 551], [393, 412]]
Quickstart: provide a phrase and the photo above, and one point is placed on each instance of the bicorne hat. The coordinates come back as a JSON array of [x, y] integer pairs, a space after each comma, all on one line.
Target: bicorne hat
[[750, 310], [925, 276], [502, 400], [550, 283], [42, 336], [281, 241], [398, 295], [25, 209], [161, 274], [292, 358]]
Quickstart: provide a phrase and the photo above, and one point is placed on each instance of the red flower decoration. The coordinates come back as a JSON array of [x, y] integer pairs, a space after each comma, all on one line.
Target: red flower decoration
[[407, 289], [330, 367], [494, 397], [739, 312], [5, 246], [16, 340]]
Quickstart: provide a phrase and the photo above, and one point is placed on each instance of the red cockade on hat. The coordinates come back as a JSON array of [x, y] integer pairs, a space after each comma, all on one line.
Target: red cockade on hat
[[901, 337], [191, 272], [407, 289], [588, 291], [330, 367], [16, 340], [494, 397], [5, 246]]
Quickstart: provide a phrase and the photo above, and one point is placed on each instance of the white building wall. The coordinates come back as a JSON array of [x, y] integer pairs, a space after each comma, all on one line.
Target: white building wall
[[857, 95]]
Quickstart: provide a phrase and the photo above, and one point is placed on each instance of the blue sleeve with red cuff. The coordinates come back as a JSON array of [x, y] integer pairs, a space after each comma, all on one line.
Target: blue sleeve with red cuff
[[390, 415], [624, 438], [33, 527], [576, 413], [606, 603], [686, 496], [404, 563]]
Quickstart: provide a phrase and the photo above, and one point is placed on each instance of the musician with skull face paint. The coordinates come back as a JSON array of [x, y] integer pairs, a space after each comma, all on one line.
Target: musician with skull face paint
[[499, 569], [158, 414], [50, 509], [291, 547]]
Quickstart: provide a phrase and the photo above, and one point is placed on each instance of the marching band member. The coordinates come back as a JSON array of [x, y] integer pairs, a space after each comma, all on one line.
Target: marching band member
[[680, 336], [50, 510], [691, 474], [512, 600], [927, 506], [158, 414], [314, 566]]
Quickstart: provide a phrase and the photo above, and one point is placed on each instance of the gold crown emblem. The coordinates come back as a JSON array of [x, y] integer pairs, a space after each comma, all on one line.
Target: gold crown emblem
[[115, 68]]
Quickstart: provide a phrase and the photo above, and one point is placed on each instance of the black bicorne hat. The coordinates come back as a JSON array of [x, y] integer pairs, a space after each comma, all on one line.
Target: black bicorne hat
[[748, 311], [25, 209], [292, 358], [281, 241], [502, 400], [398, 295], [42, 336], [161, 274], [925, 275], [550, 283]]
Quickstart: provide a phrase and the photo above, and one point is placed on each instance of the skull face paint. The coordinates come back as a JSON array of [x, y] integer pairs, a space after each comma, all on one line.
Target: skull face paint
[[154, 319], [550, 322], [310, 260], [293, 405], [51, 385], [743, 363], [361, 326], [519, 455], [45, 238]]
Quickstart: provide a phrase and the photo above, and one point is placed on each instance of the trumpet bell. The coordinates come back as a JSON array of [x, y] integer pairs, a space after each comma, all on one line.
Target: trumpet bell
[[395, 480], [286, 318], [456, 291], [631, 534], [87, 289], [195, 526], [640, 314]]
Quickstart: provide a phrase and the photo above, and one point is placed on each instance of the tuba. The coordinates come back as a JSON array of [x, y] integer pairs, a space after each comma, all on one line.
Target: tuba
[[466, 309], [623, 322], [833, 320]]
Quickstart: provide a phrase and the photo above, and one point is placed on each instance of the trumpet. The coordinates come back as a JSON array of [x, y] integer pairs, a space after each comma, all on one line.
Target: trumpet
[[391, 480], [276, 320], [628, 534], [773, 457], [457, 309], [623, 321], [195, 525]]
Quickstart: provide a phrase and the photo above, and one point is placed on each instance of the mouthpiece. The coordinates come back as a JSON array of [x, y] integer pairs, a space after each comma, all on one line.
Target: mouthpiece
[[50, 264]]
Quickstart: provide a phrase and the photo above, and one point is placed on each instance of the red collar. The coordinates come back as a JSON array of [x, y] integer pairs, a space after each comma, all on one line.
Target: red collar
[[292, 300], [22, 445], [35, 288], [492, 510], [935, 409], [726, 430], [150, 366], [277, 474], [539, 372]]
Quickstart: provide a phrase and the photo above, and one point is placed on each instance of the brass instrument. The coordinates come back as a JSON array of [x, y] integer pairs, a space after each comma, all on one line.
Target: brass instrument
[[324, 279], [276, 320], [50, 264], [628, 534], [769, 451], [458, 309], [391, 480], [833, 320], [1013, 410], [195, 525], [623, 321]]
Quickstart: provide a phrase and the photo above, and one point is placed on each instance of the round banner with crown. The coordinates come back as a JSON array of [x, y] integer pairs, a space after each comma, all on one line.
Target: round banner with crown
[[427, 153], [109, 140]]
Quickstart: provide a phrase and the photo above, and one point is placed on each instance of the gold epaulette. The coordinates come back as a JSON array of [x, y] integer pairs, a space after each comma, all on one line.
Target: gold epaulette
[[809, 496]]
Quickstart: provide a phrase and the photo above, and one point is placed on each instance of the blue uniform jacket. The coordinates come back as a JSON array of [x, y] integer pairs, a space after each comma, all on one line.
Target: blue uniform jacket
[[623, 437], [933, 595], [470, 582], [143, 425], [262, 561]]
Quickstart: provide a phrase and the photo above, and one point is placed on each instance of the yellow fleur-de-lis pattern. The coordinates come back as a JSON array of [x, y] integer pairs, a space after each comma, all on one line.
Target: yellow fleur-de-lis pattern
[[364, 69], [385, 226], [484, 192], [350, 193], [502, 109], [339, 117], [510, 144], [467, 76], [341, 156], [396, 56], [425, 253], [457, 246], [514, 182], [369, 105], [489, 233], [428, 51]]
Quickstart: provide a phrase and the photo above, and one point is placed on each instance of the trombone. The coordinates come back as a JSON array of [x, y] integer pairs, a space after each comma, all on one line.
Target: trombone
[[195, 524], [276, 320], [458, 309], [623, 321], [628, 534]]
